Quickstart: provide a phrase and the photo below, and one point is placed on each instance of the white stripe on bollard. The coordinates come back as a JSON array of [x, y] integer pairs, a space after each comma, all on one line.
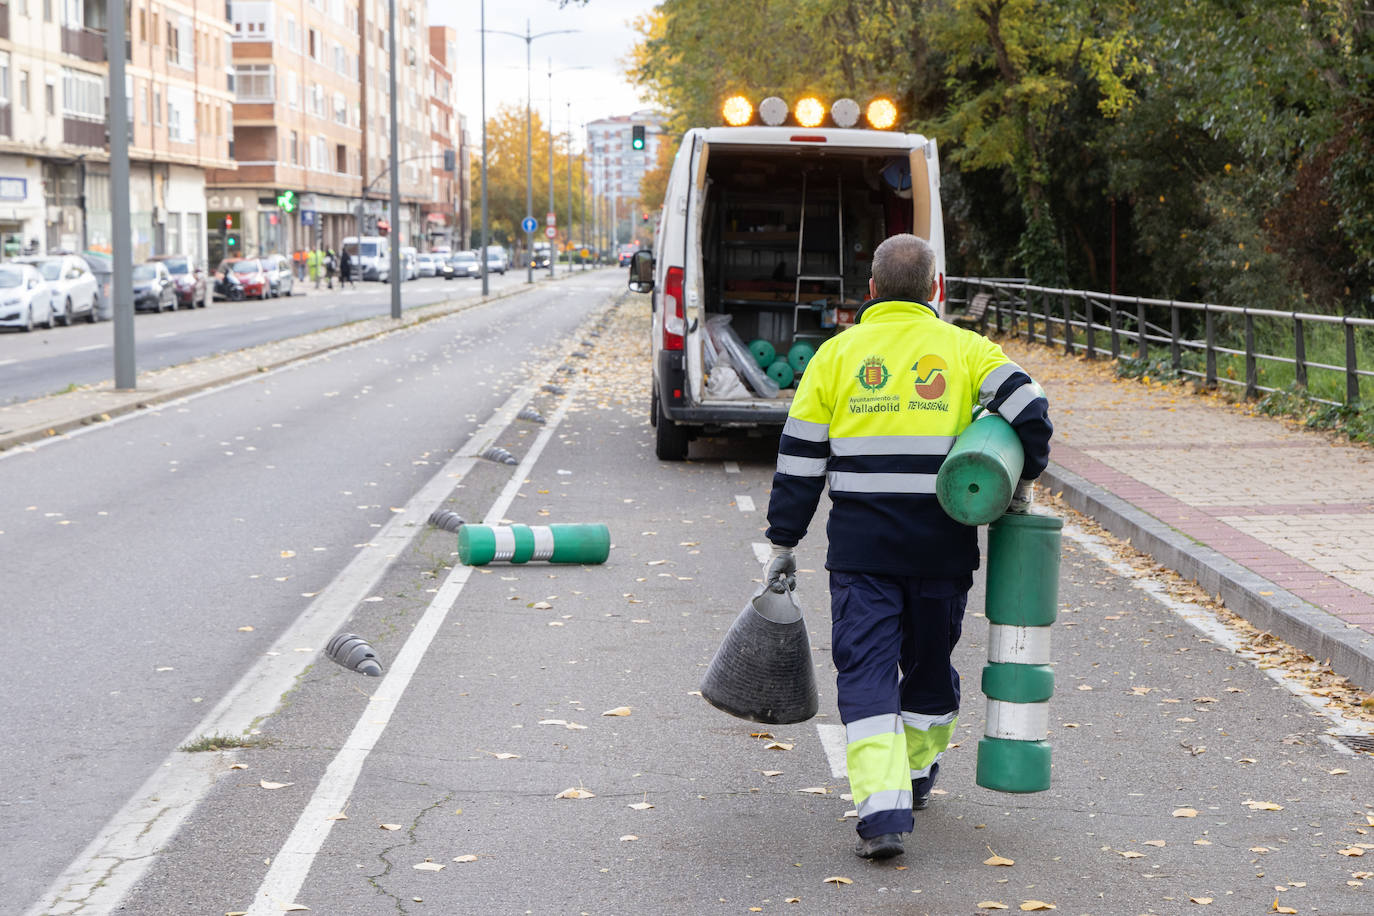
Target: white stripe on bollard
[[1018, 721], [505, 542], [1019, 645], [543, 542]]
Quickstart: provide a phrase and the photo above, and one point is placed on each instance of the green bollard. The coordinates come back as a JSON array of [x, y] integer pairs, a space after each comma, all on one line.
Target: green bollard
[[1022, 603], [479, 545], [979, 475]]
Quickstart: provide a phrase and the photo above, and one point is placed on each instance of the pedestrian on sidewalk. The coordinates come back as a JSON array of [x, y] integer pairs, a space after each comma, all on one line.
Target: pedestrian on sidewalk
[[315, 262], [331, 264], [346, 269], [875, 413]]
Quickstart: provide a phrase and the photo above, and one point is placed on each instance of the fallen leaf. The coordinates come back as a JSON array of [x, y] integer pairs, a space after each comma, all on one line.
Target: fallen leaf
[[1140, 691], [1351, 851], [1202, 842], [629, 837], [815, 790], [562, 722], [778, 746], [287, 554], [245, 629], [836, 879], [1337, 772], [574, 793], [466, 858], [991, 905], [1031, 905], [1185, 812], [541, 606], [792, 900], [274, 785], [390, 826], [1154, 843], [760, 734], [505, 756], [238, 766], [618, 711], [1261, 805], [1130, 854], [771, 772], [1282, 909], [575, 726], [995, 859], [337, 817], [428, 866], [1084, 687], [640, 806], [1200, 901], [1259, 849], [1068, 725], [296, 908]]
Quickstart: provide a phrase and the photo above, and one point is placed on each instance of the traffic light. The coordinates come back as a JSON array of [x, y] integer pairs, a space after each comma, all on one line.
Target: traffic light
[[637, 137], [231, 238], [645, 217]]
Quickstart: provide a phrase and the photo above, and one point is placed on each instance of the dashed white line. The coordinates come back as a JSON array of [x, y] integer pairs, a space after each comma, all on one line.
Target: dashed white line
[[6, 362], [833, 740], [216, 327], [732, 467], [263, 318], [164, 334], [745, 503], [91, 347]]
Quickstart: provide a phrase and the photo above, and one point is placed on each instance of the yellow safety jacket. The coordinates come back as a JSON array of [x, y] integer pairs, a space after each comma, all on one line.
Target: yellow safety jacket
[[875, 414]]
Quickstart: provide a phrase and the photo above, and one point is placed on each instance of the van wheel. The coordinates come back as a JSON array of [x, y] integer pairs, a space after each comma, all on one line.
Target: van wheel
[[670, 439]]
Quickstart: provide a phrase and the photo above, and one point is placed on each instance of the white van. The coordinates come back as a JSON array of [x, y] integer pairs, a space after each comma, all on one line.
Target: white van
[[767, 238], [371, 257]]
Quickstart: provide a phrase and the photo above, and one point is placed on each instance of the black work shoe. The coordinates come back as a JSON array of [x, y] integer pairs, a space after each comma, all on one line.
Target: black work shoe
[[883, 846], [921, 787]]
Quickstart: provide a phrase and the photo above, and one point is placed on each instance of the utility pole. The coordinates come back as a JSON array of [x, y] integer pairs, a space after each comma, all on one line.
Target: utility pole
[[486, 218], [122, 253], [570, 197], [395, 170]]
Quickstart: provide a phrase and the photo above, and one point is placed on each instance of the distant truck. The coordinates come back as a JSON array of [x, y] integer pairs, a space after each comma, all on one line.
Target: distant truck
[[768, 234]]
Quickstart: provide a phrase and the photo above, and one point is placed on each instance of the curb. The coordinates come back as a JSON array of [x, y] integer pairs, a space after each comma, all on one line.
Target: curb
[[1350, 650], [441, 309]]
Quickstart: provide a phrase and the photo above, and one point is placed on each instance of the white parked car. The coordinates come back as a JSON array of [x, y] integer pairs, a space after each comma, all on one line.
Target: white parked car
[[26, 299], [76, 295], [427, 264]]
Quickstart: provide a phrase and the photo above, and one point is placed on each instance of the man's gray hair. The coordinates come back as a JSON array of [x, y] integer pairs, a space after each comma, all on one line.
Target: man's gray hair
[[904, 268]]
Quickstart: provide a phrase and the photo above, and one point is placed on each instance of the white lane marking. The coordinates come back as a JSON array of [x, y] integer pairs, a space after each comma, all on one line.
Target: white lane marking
[[216, 327], [291, 865], [127, 845], [164, 334], [761, 551], [263, 318], [833, 740], [297, 312], [1208, 625], [91, 347], [6, 362], [732, 467], [745, 503]]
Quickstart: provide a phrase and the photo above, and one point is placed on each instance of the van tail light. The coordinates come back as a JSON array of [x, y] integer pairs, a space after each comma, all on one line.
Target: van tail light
[[674, 322]]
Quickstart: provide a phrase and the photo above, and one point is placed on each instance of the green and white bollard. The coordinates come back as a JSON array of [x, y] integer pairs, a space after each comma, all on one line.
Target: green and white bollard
[[979, 475], [1022, 603], [479, 545]]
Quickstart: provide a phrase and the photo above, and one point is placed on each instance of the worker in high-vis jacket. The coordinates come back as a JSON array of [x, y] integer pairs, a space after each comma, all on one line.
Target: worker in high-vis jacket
[[875, 414]]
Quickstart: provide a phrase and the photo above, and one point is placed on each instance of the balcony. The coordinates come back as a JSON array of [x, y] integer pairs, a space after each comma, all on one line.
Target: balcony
[[87, 44], [79, 132], [6, 121]]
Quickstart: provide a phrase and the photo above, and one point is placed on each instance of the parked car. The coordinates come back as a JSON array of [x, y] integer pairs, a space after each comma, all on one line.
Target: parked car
[[427, 264], [103, 270], [627, 251], [188, 277], [154, 288], [279, 274], [464, 264], [76, 293], [26, 299], [245, 278], [497, 260]]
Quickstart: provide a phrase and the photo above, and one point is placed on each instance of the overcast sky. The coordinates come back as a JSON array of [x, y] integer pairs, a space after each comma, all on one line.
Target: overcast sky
[[603, 40]]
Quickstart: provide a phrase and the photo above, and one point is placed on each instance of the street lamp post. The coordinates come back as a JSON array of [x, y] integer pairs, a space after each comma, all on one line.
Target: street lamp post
[[396, 277], [528, 38], [486, 217], [121, 237], [552, 253]]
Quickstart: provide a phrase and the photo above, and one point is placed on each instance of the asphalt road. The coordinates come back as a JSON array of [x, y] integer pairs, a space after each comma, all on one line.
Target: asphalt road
[[44, 362], [1185, 776]]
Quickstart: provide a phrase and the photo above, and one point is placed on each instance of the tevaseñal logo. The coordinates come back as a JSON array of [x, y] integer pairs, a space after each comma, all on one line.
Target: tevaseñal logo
[[930, 377]]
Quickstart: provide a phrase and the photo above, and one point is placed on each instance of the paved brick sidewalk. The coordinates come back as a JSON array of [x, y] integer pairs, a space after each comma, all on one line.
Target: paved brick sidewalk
[[1293, 507]]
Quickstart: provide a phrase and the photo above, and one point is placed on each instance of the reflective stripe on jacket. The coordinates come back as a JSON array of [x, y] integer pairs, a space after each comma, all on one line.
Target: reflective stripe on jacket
[[877, 410]]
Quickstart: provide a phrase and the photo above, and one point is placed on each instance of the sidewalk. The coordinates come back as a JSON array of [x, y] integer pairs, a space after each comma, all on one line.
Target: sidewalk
[[1277, 519]]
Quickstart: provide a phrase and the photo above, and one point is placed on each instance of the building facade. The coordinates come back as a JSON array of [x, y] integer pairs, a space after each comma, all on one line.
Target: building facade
[[617, 169], [445, 211], [54, 159]]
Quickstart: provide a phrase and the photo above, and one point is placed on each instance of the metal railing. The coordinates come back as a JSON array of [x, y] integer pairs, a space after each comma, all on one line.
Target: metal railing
[[1082, 321]]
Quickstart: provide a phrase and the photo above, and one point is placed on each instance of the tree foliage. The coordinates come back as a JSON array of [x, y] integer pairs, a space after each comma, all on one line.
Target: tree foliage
[[1214, 149]]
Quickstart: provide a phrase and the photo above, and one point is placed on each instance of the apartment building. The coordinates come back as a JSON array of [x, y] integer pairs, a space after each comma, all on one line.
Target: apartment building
[[447, 215], [54, 160], [297, 127], [412, 116], [617, 168]]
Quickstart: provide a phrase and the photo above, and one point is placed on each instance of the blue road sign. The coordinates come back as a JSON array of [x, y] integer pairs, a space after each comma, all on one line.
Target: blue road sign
[[529, 224]]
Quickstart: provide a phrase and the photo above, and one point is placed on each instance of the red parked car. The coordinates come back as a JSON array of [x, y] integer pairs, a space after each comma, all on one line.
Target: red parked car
[[245, 278], [188, 279]]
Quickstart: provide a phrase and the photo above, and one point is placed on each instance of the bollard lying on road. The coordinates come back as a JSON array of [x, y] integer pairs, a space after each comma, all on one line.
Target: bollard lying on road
[[979, 475], [479, 545]]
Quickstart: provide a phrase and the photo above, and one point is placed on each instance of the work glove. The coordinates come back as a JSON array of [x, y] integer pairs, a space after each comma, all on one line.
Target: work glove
[[780, 571], [1023, 497]]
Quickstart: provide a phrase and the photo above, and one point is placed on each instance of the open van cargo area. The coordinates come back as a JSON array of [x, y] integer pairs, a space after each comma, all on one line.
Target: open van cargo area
[[787, 239]]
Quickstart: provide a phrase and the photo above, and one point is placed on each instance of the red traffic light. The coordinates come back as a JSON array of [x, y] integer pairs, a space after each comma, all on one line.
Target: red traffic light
[[228, 222]]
